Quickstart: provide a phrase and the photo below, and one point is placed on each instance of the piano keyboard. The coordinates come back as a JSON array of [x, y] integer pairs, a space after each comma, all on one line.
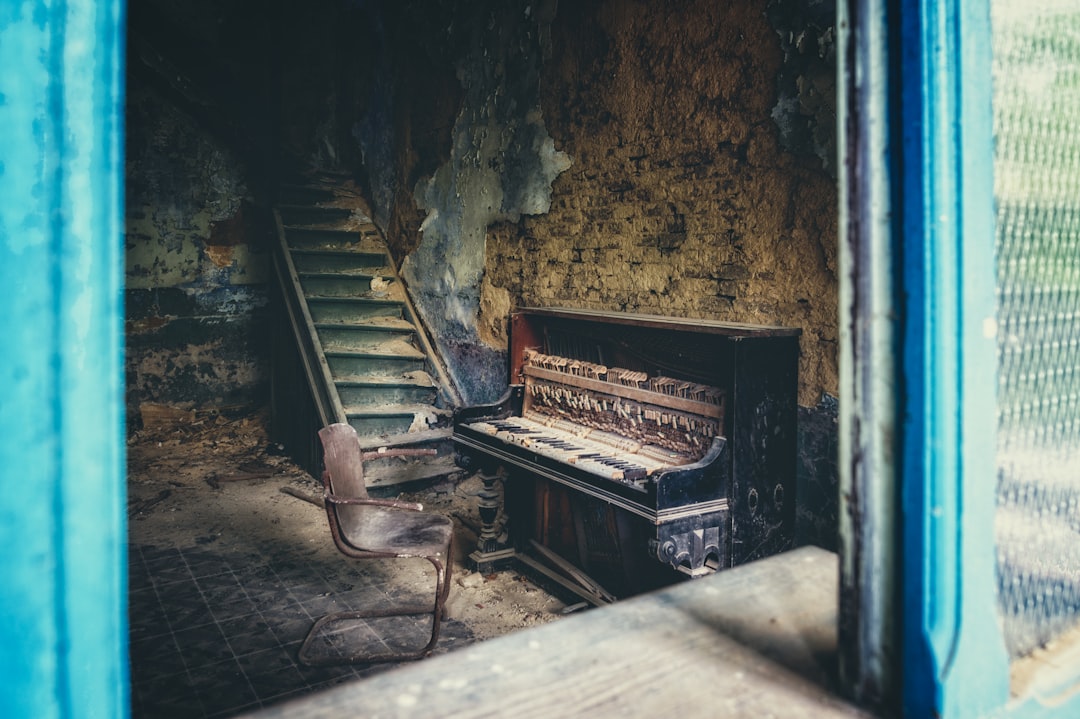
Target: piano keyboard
[[596, 452]]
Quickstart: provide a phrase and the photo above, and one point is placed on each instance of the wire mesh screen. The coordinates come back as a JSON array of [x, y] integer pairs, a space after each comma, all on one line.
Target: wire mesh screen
[[1036, 47]]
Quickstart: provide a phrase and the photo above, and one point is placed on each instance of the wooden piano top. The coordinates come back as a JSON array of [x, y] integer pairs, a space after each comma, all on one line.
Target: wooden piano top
[[712, 327], [532, 328]]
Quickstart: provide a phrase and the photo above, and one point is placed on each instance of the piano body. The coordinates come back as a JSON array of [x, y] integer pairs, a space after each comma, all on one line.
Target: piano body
[[635, 450]]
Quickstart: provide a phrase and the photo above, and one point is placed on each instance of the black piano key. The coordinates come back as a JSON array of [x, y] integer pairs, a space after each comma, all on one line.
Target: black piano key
[[631, 471]]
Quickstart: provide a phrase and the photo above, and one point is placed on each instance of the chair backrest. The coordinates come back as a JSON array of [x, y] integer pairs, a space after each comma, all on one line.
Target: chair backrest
[[344, 461]]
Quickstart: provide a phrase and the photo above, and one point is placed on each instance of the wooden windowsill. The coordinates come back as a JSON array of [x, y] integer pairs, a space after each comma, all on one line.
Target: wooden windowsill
[[758, 640]]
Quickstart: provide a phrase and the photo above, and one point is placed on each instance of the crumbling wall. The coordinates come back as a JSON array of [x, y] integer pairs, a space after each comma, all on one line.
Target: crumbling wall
[[680, 156], [501, 166], [805, 110], [681, 200], [196, 265], [225, 99], [621, 155]]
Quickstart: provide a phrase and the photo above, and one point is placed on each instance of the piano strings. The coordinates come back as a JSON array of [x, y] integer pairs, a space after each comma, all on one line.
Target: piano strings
[[599, 402]]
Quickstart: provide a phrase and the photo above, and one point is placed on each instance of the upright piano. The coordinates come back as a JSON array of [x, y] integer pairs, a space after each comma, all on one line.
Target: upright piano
[[634, 450]]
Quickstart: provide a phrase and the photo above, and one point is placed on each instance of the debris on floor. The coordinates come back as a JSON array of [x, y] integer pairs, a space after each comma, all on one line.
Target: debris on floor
[[230, 561]]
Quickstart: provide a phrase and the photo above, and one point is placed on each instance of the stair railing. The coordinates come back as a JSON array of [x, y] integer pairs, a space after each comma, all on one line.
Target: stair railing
[[316, 368]]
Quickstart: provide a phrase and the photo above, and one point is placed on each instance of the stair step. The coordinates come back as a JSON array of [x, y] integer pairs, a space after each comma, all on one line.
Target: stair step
[[421, 471], [346, 273], [362, 257], [410, 379], [396, 348], [361, 342], [344, 309], [433, 414], [325, 238], [394, 419], [340, 334], [304, 214], [340, 284], [304, 194], [374, 391], [436, 437], [375, 324], [344, 364]]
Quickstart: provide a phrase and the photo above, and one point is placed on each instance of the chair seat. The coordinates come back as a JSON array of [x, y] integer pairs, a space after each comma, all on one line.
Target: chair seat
[[394, 531]]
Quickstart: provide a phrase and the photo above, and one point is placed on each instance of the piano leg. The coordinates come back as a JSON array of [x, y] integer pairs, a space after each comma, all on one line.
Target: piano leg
[[493, 549]]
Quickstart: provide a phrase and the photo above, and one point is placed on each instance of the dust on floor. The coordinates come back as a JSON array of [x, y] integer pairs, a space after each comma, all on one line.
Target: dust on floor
[[218, 482], [214, 487]]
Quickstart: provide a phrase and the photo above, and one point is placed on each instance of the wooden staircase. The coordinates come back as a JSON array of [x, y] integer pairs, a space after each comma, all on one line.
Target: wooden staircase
[[356, 341]]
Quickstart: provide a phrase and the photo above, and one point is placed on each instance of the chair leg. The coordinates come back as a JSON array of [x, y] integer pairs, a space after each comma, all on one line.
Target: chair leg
[[445, 572], [442, 590]]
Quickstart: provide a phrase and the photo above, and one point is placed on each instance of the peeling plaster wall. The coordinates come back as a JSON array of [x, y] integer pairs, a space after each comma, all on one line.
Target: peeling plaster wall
[[805, 110], [681, 200], [624, 155], [501, 167], [619, 155], [196, 265]]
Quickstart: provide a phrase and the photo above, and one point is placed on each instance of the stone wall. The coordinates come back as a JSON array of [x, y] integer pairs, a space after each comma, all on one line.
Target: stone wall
[[196, 265]]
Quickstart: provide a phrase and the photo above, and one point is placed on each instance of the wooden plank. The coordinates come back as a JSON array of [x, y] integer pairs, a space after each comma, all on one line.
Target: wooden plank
[[576, 574], [578, 589], [756, 640]]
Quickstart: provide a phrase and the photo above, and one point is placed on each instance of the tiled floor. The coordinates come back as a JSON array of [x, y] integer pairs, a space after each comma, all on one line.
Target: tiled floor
[[229, 567], [215, 634]]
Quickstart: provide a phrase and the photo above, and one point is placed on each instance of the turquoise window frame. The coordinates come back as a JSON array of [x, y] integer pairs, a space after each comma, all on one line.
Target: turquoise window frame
[[919, 621], [954, 661], [63, 593]]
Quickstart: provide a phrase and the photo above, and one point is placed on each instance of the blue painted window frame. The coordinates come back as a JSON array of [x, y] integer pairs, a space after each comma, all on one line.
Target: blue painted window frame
[[63, 569], [64, 653], [954, 661], [936, 168]]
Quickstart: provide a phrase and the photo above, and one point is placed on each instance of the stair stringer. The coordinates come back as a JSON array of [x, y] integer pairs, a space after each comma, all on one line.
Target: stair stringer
[[323, 386]]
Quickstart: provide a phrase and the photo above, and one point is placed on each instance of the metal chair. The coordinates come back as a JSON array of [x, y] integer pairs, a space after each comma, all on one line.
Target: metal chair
[[366, 528]]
